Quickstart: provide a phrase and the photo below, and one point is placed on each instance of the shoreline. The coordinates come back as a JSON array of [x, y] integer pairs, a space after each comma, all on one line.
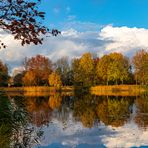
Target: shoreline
[[100, 90]]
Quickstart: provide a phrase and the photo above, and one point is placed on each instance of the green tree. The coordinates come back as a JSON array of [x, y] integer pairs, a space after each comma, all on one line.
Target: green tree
[[17, 80], [13, 123], [3, 74]]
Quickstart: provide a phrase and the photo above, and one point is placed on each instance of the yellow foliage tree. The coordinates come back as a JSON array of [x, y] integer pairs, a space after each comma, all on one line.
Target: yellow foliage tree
[[54, 80], [140, 62], [87, 69]]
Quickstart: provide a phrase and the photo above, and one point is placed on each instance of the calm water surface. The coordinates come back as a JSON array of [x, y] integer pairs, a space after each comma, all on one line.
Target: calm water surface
[[80, 121]]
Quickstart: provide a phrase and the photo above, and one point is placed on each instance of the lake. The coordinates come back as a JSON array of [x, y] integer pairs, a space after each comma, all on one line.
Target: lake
[[73, 121]]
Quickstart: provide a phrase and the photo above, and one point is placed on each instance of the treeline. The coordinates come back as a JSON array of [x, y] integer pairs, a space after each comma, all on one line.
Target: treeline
[[111, 69]]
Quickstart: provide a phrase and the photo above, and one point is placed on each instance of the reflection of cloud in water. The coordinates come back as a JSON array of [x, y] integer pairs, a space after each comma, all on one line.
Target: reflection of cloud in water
[[75, 135], [127, 136]]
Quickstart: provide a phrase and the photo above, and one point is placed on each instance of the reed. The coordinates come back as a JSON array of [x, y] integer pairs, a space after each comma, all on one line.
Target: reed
[[37, 89], [123, 90]]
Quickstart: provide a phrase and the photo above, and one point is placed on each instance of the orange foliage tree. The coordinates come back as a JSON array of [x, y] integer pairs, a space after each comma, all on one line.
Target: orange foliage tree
[[29, 79], [41, 66], [55, 101]]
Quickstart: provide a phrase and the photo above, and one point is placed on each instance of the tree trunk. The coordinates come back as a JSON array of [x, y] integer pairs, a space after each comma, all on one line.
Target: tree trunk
[[116, 82]]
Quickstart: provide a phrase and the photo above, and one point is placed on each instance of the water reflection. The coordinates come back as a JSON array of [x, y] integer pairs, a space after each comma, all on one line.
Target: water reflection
[[78, 121], [39, 110], [14, 124], [114, 111], [142, 111]]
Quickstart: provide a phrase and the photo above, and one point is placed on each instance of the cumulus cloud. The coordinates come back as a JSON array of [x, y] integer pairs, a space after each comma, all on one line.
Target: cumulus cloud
[[73, 43], [124, 39]]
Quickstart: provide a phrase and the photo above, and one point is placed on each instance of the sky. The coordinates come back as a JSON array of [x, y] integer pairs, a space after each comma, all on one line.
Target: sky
[[96, 26], [131, 13]]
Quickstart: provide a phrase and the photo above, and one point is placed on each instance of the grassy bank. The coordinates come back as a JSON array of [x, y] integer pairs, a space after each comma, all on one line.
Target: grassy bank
[[36, 91], [116, 90], [112, 90]]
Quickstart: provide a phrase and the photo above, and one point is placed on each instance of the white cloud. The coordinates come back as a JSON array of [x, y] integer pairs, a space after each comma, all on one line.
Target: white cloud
[[127, 136], [124, 39], [73, 42]]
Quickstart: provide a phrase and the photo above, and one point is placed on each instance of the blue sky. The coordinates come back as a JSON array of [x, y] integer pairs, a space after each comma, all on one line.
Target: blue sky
[[131, 13]]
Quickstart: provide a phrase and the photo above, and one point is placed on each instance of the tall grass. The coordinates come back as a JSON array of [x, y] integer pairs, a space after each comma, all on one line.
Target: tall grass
[[37, 91], [123, 90]]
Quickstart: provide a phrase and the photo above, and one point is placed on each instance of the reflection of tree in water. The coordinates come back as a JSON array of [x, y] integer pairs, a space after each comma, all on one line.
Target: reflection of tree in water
[[55, 101], [102, 111], [42, 109], [5, 122], [118, 111], [39, 110], [63, 110], [111, 111], [84, 110], [18, 114], [142, 111], [114, 111], [14, 124]]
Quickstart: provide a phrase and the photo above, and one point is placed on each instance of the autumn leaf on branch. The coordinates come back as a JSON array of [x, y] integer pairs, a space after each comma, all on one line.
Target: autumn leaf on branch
[[23, 20]]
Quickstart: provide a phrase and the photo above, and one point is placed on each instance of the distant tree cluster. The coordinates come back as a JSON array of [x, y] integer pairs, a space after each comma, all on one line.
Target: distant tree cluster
[[86, 71]]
